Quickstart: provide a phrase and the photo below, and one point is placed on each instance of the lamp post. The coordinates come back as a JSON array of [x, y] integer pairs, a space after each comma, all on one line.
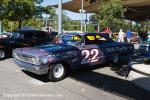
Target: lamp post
[[81, 12], [60, 17], [46, 20], [86, 22]]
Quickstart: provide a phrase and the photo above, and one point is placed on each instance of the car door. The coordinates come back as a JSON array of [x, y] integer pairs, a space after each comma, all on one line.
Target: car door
[[27, 39], [91, 54], [17, 40], [41, 37], [111, 49]]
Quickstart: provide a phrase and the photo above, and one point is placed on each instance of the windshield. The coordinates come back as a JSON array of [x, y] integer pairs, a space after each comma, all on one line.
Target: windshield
[[70, 39], [15, 35]]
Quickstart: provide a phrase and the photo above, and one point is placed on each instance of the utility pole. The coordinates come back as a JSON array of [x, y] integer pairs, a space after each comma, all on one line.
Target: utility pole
[[82, 11], [60, 17], [46, 21], [82, 17], [86, 22]]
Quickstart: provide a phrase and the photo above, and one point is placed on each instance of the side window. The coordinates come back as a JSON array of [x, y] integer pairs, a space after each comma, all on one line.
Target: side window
[[40, 35], [28, 35], [96, 39], [16, 35], [102, 39], [90, 39]]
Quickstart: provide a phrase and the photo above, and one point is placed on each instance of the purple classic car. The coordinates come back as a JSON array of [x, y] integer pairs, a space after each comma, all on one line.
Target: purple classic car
[[70, 51]]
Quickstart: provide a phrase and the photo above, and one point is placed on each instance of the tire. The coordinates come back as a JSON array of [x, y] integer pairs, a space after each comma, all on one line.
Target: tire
[[56, 72], [2, 54], [115, 59]]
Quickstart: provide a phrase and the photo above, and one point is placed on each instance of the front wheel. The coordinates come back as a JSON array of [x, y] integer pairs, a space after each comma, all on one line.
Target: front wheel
[[2, 54], [56, 72]]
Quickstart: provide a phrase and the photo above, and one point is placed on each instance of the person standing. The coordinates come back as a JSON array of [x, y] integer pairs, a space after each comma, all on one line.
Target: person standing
[[121, 36], [108, 31], [128, 35]]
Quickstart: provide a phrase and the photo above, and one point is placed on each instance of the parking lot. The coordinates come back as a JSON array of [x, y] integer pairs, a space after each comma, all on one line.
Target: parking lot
[[100, 83]]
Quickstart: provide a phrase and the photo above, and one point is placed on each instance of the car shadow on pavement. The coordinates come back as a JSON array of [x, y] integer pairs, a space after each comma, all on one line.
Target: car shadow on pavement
[[120, 69], [42, 78], [6, 58], [114, 85], [110, 84]]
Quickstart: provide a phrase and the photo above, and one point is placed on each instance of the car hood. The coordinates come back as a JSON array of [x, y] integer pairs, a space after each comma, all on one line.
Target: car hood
[[45, 49]]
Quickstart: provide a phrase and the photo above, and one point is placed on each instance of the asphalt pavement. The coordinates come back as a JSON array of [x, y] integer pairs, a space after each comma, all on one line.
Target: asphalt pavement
[[99, 83]]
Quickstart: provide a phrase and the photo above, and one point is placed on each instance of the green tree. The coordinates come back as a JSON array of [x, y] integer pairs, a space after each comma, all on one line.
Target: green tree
[[2, 9], [19, 10], [50, 10], [111, 14], [9, 26], [93, 18], [93, 25], [34, 22]]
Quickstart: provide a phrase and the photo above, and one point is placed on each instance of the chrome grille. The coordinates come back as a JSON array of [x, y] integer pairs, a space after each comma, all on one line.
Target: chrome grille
[[24, 58]]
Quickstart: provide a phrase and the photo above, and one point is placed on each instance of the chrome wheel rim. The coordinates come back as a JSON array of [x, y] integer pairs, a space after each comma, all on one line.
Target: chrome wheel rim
[[2, 54], [58, 70]]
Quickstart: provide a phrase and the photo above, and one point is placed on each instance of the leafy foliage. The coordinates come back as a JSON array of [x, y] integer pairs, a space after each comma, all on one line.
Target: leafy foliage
[[111, 14], [20, 10], [93, 18], [50, 10]]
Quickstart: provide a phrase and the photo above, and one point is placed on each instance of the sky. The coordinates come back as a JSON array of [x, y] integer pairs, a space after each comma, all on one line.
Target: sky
[[72, 15]]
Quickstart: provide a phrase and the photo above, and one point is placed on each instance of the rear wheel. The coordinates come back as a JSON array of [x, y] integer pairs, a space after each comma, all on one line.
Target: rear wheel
[[56, 72], [2, 54]]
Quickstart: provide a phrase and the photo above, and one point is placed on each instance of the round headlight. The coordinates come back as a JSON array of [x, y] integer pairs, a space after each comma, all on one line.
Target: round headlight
[[36, 61], [44, 60], [15, 55]]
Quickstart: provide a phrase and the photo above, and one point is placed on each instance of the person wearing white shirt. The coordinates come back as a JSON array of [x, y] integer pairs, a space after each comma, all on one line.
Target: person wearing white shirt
[[121, 36]]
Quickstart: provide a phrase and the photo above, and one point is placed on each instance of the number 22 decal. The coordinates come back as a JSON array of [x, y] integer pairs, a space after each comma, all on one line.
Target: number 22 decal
[[90, 55]]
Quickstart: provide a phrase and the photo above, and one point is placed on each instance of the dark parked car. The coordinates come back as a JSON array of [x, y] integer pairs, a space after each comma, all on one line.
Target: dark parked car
[[53, 34], [24, 38], [70, 51]]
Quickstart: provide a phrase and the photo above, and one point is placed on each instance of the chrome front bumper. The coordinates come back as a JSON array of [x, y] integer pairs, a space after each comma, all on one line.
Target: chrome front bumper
[[39, 70]]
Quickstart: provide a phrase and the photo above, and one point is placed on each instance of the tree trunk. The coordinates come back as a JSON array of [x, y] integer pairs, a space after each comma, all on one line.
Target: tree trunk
[[20, 23]]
